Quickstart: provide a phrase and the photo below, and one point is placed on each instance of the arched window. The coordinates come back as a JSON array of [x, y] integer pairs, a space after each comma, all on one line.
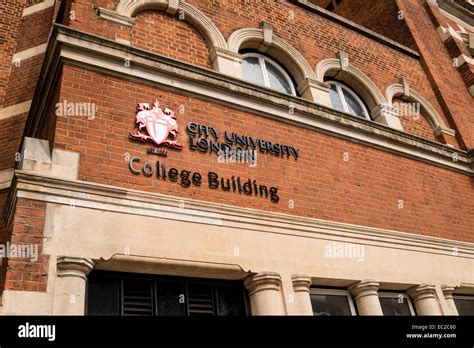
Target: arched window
[[263, 71], [346, 100]]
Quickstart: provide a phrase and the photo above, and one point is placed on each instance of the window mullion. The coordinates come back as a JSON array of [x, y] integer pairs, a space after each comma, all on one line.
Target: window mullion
[[343, 99], [186, 300], [121, 297], [264, 71], [155, 298]]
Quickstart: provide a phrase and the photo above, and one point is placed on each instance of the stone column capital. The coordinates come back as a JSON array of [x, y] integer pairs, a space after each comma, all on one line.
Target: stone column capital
[[301, 282], [365, 288], [262, 281], [422, 292], [74, 267], [448, 291]]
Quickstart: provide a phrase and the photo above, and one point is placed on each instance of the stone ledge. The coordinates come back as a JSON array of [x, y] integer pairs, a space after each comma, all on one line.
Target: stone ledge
[[116, 199]]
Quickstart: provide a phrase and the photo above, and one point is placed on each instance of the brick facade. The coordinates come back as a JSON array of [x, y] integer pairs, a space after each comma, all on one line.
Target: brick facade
[[371, 187], [380, 63], [361, 191], [18, 79], [382, 16], [27, 229]]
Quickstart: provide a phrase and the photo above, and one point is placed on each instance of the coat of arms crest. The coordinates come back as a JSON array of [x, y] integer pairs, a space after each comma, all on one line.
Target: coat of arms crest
[[156, 125]]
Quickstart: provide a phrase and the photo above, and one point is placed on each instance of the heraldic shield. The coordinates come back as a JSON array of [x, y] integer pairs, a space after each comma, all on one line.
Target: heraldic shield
[[159, 125]]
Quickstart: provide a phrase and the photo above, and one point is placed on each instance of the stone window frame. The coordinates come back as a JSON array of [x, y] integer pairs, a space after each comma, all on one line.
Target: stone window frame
[[263, 40], [403, 89], [380, 105], [224, 55], [335, 292], [341, 69]]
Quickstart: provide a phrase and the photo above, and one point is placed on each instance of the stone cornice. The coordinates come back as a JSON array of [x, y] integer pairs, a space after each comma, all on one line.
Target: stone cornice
[[77, 48], [110, 198]]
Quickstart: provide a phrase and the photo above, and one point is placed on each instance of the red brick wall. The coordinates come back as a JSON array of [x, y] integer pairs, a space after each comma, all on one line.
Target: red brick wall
[[10, 15], [19, 81], [454, 97], [164, 34], [365, 190], [381, 16], [413, 120], [21, 86], [316, 38], [17, 84], [27, 229], [11, 131], [34, 29], [85, 19]]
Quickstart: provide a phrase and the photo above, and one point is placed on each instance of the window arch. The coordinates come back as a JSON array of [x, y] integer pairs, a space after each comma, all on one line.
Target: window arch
[[346, 100], [262, 70], [342, 70], [263, 40], [403, 90], [126, 10]]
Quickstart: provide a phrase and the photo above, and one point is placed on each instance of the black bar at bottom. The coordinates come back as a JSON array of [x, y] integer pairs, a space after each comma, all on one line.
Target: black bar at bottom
[[382, 331]]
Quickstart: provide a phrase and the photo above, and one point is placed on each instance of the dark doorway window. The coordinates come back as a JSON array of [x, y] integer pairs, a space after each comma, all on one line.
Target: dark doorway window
[[396, 304], [326, 302], [464, 304], [113, 293]]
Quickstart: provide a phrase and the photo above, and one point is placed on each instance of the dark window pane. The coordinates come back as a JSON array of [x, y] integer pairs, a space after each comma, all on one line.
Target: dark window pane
[[230, 300], [464, 306], [394, 306], [103, 297], [137, 297], [171, 299], [330, 305]]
